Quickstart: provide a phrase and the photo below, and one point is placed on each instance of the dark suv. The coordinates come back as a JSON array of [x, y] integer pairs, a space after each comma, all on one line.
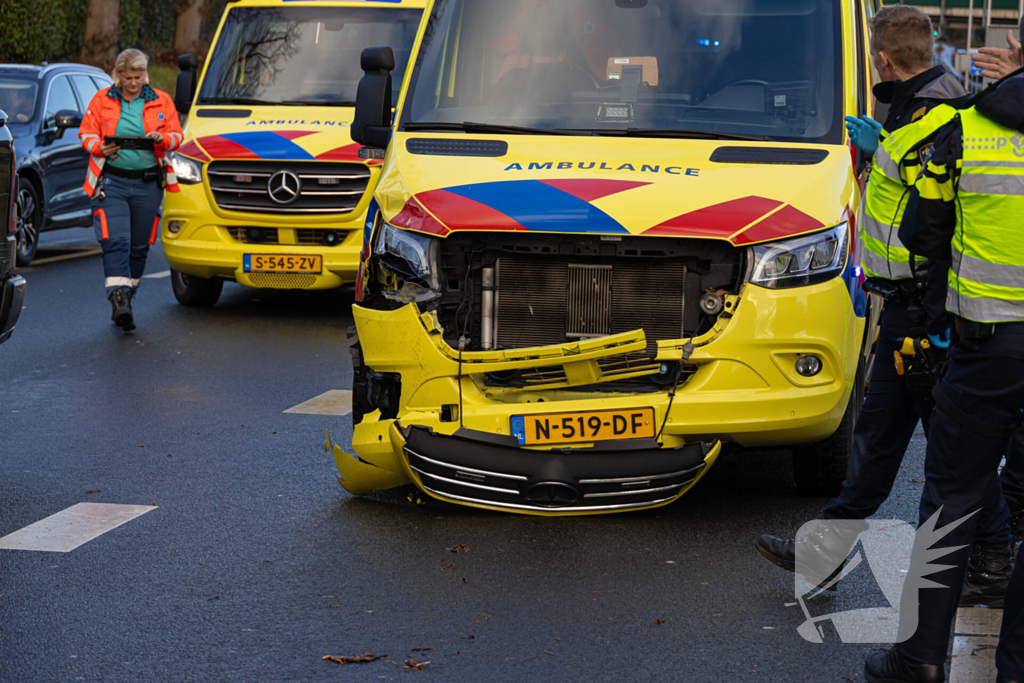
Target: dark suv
[[45, 105], [12, 287]]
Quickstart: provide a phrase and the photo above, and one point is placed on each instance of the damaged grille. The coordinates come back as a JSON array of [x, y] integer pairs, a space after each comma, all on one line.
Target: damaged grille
[[549, 301]]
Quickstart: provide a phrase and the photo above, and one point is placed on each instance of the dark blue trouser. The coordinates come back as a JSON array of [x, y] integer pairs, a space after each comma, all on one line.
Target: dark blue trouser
[[961, 478], [883, 431], [1013, 472], [126, 223]]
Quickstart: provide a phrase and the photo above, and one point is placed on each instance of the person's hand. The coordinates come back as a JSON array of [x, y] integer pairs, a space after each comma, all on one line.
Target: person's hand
[[109, 149], [864, 133], [940, 341], [156, 137], [997, 62]]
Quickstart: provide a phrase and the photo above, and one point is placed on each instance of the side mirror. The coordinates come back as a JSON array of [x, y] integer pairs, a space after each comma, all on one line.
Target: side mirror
[[371, 126], [66, 118], [185, 90], [3, 118]]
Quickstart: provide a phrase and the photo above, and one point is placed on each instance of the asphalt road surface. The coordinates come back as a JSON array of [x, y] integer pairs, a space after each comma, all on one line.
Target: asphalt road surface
[[255, 564]]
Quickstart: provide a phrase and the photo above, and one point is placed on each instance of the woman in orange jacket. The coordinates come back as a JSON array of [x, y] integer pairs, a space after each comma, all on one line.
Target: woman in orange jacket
[[127, 185]]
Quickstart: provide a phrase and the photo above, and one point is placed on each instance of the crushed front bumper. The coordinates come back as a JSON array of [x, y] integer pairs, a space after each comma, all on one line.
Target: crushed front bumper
[[418, 420]]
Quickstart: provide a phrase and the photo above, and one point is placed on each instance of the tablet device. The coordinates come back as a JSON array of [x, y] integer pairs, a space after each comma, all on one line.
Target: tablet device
[[130, 142]]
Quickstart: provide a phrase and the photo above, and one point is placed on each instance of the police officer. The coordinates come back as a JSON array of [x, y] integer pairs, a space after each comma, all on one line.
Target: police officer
[[902, 54], [127, 186], [968, 206]]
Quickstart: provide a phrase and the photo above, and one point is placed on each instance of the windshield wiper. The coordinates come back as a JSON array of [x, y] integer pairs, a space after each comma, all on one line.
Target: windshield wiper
[[471, 127], [689, 134], [319, 103], [236, 100]]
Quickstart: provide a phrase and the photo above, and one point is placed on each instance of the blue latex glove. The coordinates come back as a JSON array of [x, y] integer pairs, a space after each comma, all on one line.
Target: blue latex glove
[[864, 133], [940, 341]]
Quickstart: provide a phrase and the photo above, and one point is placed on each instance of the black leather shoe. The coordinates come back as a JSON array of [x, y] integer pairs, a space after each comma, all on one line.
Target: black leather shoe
[[121, 301], [892, 667], [1016, 506], [779, 552], [988, 575]]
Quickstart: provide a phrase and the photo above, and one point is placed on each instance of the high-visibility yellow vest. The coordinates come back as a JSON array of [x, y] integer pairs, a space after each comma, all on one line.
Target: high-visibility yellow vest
[[986, 280], [885, 200]]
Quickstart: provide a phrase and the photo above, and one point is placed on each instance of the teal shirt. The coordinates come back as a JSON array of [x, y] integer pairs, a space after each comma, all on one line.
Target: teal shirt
[[131, 125]]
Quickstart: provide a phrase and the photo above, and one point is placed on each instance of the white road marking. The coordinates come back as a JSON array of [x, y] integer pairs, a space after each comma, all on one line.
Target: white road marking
[[335, 402], [974, 646], [157, 276], [70, 528]]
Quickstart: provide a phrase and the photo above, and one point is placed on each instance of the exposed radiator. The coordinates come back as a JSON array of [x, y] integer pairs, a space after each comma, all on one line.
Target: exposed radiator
[[543, 301]]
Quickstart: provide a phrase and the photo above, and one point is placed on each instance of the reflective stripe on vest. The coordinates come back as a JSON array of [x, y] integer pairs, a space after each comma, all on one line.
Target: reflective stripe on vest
[[986, 281], [883, 255]]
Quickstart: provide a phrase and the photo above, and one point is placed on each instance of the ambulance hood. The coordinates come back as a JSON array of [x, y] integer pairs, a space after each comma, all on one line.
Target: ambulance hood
[[271, 134], [741, 192]]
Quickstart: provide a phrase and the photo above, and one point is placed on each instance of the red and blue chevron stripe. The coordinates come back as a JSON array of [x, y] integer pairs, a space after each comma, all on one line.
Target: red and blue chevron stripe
[[268, 146]]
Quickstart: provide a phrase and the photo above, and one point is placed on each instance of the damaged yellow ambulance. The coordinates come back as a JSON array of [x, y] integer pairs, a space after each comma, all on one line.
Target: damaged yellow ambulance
[[608, 237]]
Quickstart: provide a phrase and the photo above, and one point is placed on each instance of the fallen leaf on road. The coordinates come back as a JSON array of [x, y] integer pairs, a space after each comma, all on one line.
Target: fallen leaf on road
[[548, 652], [421, 649], [322, 596], [975, 651], [418, 666], [215, 597], [92, 491], [659, 621], [917, 481], [462, 546], [446, 567], [359, 659]]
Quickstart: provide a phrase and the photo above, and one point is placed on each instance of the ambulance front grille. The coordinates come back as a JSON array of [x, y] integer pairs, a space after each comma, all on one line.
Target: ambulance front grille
[[541, 301], [323, 187]]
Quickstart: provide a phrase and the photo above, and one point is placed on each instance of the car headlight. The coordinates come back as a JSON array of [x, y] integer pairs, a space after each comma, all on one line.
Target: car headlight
[[406, 265], [189, 172], [801, 261]]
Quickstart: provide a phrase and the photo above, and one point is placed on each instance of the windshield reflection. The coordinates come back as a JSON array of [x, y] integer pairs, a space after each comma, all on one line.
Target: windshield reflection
[[302, 55], [758, 68]]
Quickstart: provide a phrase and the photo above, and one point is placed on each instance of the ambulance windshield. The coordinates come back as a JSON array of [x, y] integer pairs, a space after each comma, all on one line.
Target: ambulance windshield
[[767, 69], [302, 55]]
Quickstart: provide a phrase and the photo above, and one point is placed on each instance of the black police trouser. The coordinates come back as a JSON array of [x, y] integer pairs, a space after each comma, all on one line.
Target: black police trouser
[[961, 479], [883, 431], [1013, 472]]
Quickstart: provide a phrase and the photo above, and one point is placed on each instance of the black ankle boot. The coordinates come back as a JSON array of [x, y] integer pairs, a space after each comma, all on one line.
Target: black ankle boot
[[121, 301], [892, 667], [988, 575], [821, 547]]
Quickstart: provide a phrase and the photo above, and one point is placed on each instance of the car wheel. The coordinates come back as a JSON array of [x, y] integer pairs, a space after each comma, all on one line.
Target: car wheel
[[820, 468], [27, 222], [195, 291]]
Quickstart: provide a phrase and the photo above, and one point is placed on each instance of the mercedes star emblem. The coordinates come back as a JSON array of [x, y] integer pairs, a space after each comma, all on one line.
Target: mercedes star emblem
[[284, 187]]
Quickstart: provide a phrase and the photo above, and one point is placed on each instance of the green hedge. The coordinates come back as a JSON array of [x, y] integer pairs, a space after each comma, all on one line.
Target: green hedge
[[33, 31]]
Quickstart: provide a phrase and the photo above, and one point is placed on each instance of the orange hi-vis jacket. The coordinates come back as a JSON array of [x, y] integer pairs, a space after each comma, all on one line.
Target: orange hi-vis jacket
[[102, 117]]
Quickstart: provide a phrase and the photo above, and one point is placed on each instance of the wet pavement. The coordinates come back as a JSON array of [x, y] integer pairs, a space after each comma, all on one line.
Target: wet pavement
[[255, 564]]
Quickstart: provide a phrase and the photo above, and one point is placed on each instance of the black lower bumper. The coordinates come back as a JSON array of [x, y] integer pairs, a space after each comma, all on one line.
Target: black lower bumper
[[12, 296], [485, 469]]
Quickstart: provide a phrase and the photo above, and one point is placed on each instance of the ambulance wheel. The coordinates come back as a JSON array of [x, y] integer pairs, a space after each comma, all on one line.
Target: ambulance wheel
[[195, 291], [820, 468]]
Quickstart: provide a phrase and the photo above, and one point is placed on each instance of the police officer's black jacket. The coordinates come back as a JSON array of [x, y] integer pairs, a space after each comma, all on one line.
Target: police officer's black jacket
[[929, 224]]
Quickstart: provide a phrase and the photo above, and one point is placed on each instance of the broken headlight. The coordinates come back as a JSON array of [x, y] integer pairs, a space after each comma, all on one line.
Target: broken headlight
[[406, 265], [801, 261]]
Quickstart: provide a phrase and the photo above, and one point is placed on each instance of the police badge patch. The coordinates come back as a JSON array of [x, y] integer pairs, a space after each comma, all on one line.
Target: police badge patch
[[926, 154]]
